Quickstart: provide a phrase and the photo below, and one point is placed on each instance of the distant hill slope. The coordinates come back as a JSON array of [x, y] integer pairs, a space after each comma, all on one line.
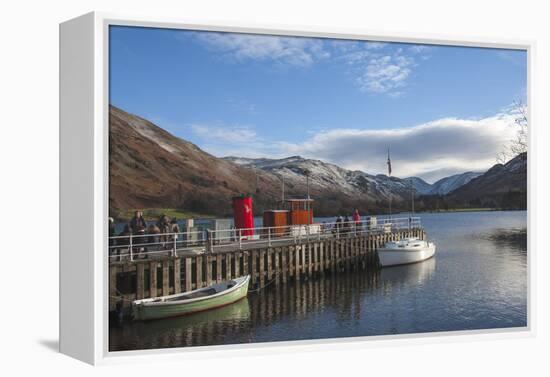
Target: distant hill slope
[[502, 186], [451, 183], [421, 186]]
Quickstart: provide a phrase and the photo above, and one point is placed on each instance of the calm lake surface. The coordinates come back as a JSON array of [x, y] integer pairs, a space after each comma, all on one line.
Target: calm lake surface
[[477, 280]]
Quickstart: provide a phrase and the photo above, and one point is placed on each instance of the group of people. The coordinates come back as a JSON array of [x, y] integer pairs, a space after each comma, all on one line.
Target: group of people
[[344, 225], [160, 235]]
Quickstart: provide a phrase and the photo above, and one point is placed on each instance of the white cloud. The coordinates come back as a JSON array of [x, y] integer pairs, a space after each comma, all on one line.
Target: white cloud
[[417, 49], [382, 68], [378, 67], [293, 51], [374, 45], [431, 150], [385, 74]]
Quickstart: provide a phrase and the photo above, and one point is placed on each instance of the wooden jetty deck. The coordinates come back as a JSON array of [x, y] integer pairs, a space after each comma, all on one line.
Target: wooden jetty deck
[[266, 262]]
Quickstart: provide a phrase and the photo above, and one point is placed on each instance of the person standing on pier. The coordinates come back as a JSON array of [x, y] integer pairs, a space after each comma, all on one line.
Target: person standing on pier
[[154, 237], [347, 225], [357, 220], [338, 225], [123, 242], [165, 227], [137, 223], [175, 228]]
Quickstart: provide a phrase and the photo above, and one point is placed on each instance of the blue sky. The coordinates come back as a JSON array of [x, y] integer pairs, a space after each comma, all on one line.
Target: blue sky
[[441, 110]]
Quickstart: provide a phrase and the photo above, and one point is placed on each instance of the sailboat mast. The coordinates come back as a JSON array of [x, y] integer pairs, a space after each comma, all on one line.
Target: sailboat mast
[[283, 190], [412, 197], [389, 175]]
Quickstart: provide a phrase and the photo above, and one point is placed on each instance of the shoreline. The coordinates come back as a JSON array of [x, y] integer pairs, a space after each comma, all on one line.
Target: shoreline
[[152, 214]]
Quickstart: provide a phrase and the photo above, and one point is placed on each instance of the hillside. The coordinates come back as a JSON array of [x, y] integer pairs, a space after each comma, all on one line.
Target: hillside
[[421, 187], [451, 183], [150, 168], [502, 186]]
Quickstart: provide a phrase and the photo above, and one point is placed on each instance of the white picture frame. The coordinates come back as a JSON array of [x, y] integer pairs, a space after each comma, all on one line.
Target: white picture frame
[[84, 187]]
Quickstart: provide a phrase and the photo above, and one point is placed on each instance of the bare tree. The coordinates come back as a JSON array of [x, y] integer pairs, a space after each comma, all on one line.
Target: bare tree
[[518, 145]]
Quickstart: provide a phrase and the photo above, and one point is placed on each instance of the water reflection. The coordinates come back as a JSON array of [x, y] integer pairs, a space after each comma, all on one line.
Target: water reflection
[[514, 238], [409, 274]]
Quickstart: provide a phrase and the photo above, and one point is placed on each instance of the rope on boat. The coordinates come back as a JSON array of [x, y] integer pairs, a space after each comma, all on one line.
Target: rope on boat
[[269, 283], [121, 297], [259, 289]]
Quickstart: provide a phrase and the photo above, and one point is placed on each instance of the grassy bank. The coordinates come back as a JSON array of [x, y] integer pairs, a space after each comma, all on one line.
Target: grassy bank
[[464, 210], [151, 214]]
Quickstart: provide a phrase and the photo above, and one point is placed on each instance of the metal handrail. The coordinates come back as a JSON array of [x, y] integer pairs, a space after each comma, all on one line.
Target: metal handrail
[[132, 245]]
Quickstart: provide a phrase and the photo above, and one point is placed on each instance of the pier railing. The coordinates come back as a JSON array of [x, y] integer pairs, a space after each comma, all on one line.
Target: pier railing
[[132, 246]]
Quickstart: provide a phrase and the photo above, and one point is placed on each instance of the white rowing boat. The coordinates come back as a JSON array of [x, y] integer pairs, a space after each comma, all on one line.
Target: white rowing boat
[[214, 296]]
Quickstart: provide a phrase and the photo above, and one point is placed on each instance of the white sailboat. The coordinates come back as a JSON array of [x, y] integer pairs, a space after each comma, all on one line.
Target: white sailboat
[[407, 250]]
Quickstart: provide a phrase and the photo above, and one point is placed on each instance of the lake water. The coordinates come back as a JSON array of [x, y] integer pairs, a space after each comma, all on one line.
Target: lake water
[[477, 280]]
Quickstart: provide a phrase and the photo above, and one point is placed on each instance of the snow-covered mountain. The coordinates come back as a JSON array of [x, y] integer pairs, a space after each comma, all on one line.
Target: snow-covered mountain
[[329, 177], [420, 186], [332, 177], [451, 183]]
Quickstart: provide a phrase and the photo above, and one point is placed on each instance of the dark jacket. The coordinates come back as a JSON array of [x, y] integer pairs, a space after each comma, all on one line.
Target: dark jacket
[[138, 224]]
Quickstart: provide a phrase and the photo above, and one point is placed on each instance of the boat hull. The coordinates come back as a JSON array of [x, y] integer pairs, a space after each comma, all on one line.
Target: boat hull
[[174, 309], [394, 257]]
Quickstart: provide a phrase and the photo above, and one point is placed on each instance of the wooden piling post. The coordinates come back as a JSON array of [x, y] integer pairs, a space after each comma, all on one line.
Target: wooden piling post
[[322, 257], [218, 268], [140, 281], [315, 257], [332, 256], [237, 264], [297, 253], [177, 275], [284, 265], [261, 267], [291, 260], [188, 274], [198, 269], [228, 257], [165, 278], [153, 279], [269, 266], [208, 270], [277, 253], [245, 264], [305, 260], [254, 267]]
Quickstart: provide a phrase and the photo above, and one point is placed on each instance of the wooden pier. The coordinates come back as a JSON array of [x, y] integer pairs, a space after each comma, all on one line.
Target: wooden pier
[[279, 264]]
